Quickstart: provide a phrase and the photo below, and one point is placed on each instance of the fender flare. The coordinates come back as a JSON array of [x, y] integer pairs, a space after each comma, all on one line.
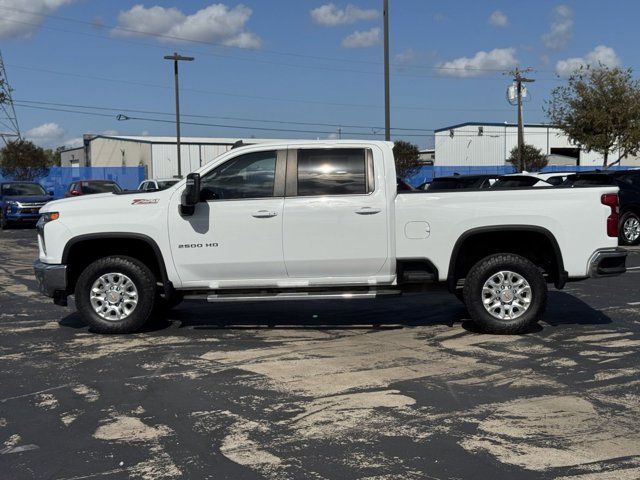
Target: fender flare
[[168, 286], [562, 275]]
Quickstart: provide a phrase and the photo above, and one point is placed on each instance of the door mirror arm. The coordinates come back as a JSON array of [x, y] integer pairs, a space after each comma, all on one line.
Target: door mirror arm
[[190, 195]]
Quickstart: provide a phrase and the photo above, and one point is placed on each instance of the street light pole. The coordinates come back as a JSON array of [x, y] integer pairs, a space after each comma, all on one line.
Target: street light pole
[[387, 100], [176, 58]]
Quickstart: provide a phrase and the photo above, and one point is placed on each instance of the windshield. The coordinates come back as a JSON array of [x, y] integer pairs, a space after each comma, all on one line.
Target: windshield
[[166, 184], [101, 187], [22, 189]]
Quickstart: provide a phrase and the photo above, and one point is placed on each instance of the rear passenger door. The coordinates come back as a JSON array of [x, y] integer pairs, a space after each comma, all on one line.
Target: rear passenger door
[[335, 213]]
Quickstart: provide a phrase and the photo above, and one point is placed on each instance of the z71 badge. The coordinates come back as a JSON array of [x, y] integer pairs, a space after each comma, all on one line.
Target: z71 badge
[[144, 201]]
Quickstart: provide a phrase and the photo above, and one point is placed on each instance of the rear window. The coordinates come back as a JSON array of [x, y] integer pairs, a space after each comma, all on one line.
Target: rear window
[[106, 187], [332, 172], [453, 183], [515, 182], [555, 180], [589, 180]]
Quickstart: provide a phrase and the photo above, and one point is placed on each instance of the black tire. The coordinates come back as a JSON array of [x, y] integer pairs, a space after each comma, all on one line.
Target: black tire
[[625, 239], [142, 278], [482, 271]]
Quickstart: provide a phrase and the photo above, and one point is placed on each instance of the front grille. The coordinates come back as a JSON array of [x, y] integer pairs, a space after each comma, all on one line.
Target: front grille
[[32, 204]]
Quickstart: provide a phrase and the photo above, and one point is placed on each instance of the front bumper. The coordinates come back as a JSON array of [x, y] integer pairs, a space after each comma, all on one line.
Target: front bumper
[[608, 263], [52, 280], [23, 218]]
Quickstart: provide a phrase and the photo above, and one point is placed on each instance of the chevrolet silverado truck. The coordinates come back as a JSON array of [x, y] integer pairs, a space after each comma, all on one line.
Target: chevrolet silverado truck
[[321, 220]]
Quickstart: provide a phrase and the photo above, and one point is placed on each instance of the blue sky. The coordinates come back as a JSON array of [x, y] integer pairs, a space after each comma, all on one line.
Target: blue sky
[[313, 63]]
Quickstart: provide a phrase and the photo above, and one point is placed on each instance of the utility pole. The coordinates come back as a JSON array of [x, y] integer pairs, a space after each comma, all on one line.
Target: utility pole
[[177, 58], [387, 107], [519, 80]]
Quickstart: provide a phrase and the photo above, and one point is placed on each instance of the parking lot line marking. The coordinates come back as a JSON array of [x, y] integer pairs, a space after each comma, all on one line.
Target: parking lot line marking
[[633, 268], [633, 303]]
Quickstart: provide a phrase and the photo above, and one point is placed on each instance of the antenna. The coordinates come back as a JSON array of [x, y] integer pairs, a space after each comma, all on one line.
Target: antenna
[[8, 117]]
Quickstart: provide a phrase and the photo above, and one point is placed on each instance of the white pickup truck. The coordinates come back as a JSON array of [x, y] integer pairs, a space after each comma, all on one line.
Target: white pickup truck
[[321, 220]]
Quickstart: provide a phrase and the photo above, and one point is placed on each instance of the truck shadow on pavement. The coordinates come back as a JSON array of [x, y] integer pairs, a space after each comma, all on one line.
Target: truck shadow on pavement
[[408, 311]]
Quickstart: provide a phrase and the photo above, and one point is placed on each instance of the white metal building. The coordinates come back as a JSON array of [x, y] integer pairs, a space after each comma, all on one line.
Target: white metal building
[[489, 144], [158, 155]]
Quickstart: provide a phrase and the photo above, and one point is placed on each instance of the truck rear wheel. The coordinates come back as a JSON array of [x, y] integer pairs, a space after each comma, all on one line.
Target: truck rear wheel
[[116, 294], [505, 294]]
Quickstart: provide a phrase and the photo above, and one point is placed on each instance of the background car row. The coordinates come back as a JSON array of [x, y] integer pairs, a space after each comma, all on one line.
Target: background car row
[[20, 202]]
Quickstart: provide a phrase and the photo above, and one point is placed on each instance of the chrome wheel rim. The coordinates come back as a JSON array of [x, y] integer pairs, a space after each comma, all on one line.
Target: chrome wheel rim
[[631, 229], [114, 296], [506, 295]]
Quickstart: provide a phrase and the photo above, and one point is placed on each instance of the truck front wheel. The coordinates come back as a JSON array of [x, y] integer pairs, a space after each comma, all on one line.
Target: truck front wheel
[[116, 294], [505, 294]]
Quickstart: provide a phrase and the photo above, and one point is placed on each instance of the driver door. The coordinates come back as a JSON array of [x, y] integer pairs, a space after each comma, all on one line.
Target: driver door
[[234, 237]]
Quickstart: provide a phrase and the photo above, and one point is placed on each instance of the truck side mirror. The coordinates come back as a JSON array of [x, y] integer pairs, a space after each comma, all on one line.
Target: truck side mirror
[[190, 195]]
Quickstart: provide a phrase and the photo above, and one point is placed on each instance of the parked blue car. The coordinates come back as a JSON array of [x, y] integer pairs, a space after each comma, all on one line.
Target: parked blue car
[[20, 202]]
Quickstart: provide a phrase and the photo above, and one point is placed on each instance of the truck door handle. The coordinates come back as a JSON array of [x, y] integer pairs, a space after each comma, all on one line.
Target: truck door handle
[[368, 211], [264, 214]]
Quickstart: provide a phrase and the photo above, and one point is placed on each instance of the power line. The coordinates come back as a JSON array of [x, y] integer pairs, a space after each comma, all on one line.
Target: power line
[[243, 119], [254, 97], [202, 124]]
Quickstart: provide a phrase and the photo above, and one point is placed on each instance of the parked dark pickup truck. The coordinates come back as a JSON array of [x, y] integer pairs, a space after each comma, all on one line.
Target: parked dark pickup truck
[[628, 181]]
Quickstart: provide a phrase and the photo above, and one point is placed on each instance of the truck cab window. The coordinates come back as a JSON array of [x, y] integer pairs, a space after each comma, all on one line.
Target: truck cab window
[[332, 172], [247, 176]]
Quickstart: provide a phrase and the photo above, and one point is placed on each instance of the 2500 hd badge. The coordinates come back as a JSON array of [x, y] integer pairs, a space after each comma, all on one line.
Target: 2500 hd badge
[[197, 245]]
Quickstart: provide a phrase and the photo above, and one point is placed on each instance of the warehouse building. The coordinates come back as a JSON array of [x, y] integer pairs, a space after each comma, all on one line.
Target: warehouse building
[[475, 144], [158, 155]]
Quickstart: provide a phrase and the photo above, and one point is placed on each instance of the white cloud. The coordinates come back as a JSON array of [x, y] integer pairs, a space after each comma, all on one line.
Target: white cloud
[[46, 135], [358, 39], [561, 28], [73, 142], [601, 55], [405, 57], [498, 19], [215, 23], [480, 63], [15, 22], [330, 15]]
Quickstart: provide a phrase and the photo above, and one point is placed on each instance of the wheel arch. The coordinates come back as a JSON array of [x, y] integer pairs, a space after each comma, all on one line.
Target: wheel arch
[[144, 248], [458, 263]]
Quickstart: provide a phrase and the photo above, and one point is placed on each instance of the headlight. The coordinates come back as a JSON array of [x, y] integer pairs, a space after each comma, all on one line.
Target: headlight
[[46, 218], [13, 203], [49, 217]]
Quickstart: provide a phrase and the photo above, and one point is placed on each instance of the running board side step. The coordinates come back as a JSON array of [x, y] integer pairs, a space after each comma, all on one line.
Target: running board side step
[[270, 297]]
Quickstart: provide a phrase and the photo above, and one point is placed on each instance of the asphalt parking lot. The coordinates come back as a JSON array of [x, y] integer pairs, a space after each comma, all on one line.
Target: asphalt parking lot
[[214, 392]]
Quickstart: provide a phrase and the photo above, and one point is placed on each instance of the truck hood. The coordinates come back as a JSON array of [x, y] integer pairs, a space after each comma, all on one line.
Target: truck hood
[[28, 198], [102, 202]]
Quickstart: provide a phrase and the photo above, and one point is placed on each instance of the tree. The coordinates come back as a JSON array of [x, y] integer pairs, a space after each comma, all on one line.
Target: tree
[[407, 156], [55, 156], [22, 160], [599, 109], [532, 158]]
